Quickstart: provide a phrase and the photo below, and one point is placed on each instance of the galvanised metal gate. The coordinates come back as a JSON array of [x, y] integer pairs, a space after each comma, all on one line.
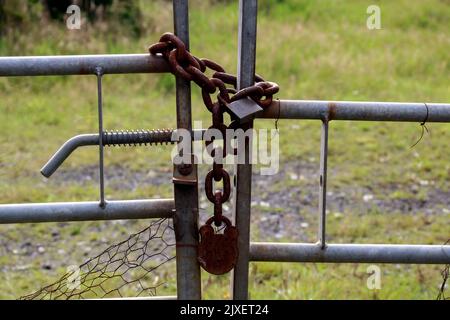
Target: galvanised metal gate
[[183, 208]]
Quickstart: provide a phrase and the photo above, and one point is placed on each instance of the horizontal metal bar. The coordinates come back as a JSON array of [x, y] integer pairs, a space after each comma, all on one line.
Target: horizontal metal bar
[[86, 211], [352, 253], [355, 110], [81, 64], [92, 139]]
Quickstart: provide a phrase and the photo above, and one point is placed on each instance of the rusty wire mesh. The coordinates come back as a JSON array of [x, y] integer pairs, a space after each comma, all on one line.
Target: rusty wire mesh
[[126, 268]]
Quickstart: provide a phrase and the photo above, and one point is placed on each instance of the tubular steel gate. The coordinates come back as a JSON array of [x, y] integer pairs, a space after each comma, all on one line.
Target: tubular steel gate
[[183, 208]]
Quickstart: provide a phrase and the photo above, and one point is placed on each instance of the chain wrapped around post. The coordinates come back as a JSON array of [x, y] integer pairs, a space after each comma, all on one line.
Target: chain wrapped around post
[[217, 252]]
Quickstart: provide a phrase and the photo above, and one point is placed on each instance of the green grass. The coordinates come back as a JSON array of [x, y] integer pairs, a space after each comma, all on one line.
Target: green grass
[[314, 50]]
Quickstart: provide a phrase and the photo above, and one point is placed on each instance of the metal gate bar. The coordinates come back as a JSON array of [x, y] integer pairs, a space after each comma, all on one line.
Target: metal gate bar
[[92, 139], [358, 110], [323, 183], [186, 195], [85, 211], [243, 172], [81, 65], [351, 253]]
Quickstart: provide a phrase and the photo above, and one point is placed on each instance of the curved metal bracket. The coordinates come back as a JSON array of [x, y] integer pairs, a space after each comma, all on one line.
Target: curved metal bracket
[[112, 138], [65, 151]]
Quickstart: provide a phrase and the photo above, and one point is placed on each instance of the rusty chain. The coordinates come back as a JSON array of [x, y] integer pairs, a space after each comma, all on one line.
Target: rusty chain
[[189, 67]]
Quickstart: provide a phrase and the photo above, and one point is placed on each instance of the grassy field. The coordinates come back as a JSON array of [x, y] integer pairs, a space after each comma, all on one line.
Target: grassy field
[[313, 50]]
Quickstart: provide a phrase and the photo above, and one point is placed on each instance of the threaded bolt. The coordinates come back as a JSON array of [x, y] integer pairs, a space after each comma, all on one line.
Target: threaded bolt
[[137, 137]]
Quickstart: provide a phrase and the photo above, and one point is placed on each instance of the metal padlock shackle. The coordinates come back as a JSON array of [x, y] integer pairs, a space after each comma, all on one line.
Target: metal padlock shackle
[[223, 218]]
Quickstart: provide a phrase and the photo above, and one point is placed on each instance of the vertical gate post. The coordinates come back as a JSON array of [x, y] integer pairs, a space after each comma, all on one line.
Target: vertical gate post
[[243, 172], [186, 195]]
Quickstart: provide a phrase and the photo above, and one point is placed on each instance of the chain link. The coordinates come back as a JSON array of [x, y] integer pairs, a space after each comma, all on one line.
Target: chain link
[[189, 67]]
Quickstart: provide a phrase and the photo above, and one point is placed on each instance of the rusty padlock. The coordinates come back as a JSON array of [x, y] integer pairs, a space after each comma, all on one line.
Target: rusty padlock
[[243, 110], [217, 252]]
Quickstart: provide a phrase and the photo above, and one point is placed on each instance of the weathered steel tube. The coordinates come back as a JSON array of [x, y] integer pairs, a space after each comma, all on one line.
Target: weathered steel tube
[[86, 211], [358, 110], [186, 196], [111, 139], [248, 11], [350, 253], [66, 149], [81, 65]]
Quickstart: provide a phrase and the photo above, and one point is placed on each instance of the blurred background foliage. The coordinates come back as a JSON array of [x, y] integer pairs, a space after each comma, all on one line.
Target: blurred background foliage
[[126, 15]]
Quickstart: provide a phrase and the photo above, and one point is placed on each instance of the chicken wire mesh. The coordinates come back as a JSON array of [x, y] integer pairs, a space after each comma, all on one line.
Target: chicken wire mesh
[[127, 268]]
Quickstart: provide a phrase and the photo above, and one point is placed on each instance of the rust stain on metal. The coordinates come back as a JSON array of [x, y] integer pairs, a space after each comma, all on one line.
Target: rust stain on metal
[[331, 111], [84, 69], [272, 111], [185, 173]]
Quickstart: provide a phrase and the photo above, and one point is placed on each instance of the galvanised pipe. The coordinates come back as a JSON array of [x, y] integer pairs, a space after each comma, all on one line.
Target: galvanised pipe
[[358, 110], [86, 211], [186, 196], [248, 11], [111, 139], [350, 253], [81, 65], [66, 149]]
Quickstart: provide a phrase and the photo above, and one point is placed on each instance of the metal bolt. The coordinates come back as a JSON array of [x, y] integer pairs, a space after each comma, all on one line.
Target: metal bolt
[[185, 169]]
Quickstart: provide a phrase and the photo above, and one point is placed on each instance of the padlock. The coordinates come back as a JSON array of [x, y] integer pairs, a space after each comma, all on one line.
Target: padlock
[[243, 110], [218, 252]]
